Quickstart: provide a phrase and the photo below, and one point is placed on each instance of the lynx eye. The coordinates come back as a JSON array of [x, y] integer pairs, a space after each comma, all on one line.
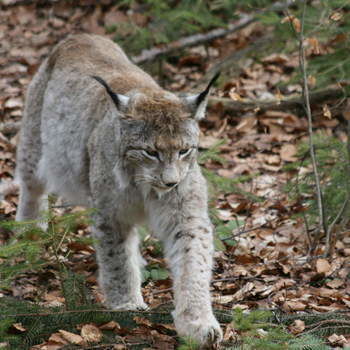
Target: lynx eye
[[184, 151], [151, 154]]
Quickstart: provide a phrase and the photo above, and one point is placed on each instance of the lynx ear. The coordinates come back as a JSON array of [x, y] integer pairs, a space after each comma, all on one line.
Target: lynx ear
[[120, 101], [198, 103]]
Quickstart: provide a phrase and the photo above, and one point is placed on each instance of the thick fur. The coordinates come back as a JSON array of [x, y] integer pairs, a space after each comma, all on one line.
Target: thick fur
[[133, 164]]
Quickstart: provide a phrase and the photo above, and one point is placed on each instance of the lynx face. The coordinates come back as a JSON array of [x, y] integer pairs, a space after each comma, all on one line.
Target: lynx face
[[160, 163], [161, 142]]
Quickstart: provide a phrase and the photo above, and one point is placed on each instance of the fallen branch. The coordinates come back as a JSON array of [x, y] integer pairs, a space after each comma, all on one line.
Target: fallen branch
[[193, 40], [198, 39], [316, 97]]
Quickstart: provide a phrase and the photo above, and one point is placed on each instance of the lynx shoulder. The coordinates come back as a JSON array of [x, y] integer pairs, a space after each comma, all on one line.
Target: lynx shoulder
[[100, 132]]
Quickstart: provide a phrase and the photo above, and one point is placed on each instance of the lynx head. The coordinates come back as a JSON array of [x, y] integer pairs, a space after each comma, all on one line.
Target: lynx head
[[159, 135]]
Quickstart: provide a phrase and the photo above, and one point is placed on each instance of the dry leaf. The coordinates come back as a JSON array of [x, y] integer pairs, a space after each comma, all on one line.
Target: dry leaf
[[72, 337], [143, 321], [288, 152], [326, 112], [58, 338], [335, 339], [322, 266], [18, 327], [315, 46], [233, 95], [297, 326], [336, 16], [91, 333], [293, 305], [247, 124], [335, 283], [294, 21], [110, 326]]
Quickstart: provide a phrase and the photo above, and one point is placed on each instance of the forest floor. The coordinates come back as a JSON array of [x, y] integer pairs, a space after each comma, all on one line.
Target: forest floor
[[267, 266]]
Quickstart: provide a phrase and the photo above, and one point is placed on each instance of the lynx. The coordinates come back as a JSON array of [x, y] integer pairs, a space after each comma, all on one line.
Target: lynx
[[100, 132]]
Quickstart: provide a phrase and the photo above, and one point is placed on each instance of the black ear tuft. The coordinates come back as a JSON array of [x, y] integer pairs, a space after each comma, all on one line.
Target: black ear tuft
[[113, 95], [204, 94]]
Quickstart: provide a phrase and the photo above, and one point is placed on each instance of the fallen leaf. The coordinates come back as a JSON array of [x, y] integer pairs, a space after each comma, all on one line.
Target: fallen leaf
[[293, 305], [288, 152], [322, 266], [335, 339], [18, 327], [110, 326], [297, 326], [91, 333], [72, 337], [326, 112]]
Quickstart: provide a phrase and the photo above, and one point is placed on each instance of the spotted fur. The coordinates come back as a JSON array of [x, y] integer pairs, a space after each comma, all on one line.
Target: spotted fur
[[122, 145]]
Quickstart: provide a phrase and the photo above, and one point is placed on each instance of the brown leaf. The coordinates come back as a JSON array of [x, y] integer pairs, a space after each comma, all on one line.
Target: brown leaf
[[18, 328], [293, 305], [326, 112], [110, 326], [143, 321], [247, 124], [72, 337], [322, 266], [297, 326], [288, 152], [91, 333], [335, 339], [58, 338]]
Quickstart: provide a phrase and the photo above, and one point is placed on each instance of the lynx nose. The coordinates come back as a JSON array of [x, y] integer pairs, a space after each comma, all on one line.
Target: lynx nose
[[171, 184]]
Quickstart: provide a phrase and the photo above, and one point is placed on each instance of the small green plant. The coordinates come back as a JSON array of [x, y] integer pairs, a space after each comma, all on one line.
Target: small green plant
[[188, 344], [260, 332], [31, 248], [333, 165]]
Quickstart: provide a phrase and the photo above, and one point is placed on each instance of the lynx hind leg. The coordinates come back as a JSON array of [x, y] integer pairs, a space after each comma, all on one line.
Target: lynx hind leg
[[119, 265]]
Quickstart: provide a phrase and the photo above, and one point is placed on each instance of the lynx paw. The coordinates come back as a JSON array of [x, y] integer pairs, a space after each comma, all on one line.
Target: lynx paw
[[131, 306], [206, 330]]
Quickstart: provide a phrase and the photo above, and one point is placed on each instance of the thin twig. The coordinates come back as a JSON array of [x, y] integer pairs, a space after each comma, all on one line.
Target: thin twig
[[306, 223], [330, 228], [302, 64], [240, 233]]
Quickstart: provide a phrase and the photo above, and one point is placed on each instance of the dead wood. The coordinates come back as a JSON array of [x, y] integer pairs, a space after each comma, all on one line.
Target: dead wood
[[294, 102], [198, 39]]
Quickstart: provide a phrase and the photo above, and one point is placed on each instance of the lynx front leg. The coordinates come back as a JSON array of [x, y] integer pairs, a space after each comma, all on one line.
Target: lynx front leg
[[29, 200], [119, 263], [189, 252]]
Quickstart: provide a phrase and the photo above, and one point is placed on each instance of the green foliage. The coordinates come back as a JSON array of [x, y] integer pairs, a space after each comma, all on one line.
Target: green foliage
[[213, 154], [329, 23], [333, 166], [188, 344], [167, 21], [27, 250], [224, 234], [155, 273], [259, 332]]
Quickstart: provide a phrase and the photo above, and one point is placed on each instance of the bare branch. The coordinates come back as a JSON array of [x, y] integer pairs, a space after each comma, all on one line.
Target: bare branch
[[198, 39], [330, 228], [230, 105]]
